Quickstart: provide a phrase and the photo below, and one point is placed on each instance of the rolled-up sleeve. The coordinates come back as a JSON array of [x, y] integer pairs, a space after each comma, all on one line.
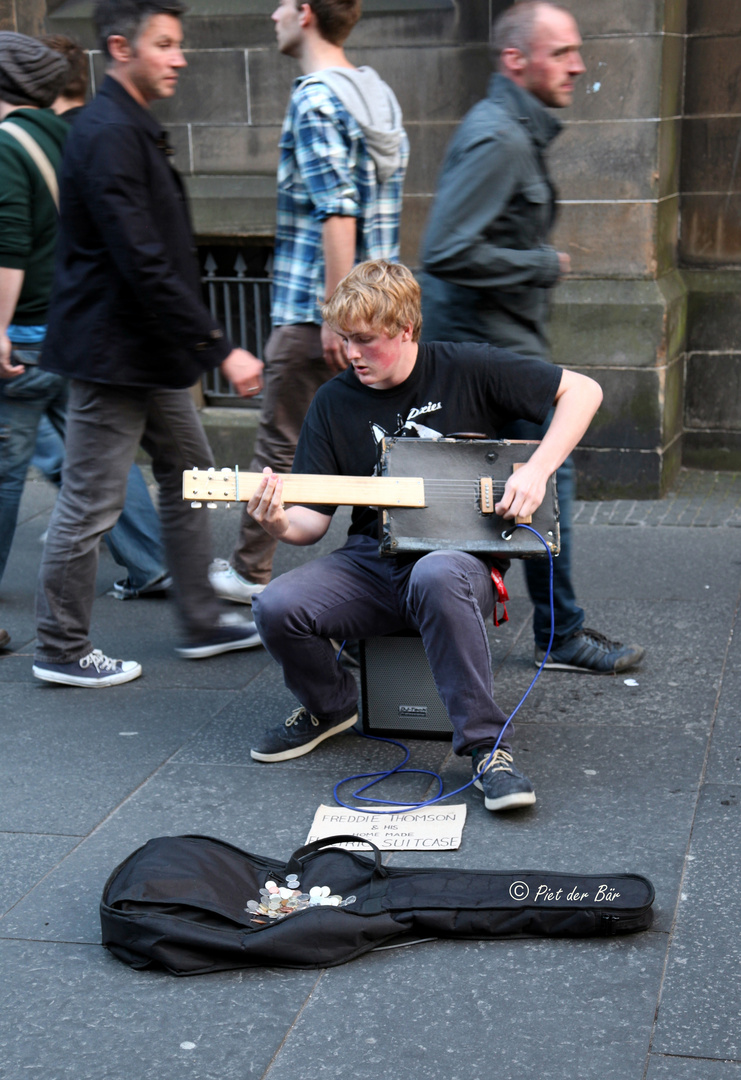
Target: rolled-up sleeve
[[323, 155]]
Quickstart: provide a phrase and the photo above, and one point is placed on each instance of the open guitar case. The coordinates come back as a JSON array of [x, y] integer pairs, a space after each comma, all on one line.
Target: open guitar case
[[192, 904]]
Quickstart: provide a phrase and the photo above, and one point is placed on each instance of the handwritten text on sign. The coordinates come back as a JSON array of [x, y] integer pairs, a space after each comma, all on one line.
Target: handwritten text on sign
[[432, 828]]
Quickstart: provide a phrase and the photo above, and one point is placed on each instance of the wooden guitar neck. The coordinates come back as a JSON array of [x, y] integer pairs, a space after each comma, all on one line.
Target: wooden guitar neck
[[231, 485]]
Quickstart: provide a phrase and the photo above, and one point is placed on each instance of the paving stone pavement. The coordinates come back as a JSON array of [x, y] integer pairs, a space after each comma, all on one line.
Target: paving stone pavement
[[698, 499], [641, 776]]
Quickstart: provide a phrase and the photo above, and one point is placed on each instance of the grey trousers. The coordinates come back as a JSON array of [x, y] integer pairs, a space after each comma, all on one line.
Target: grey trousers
[[295, 369], [353, 593], [105, 425]]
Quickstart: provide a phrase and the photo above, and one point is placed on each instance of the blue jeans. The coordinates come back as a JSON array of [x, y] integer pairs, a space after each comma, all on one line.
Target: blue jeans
[[134, 542], [48, 453], [568, 616], [353, 593]]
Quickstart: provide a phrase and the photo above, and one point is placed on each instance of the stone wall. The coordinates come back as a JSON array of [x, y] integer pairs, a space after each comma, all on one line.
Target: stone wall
[[225, 120], [627, 315]]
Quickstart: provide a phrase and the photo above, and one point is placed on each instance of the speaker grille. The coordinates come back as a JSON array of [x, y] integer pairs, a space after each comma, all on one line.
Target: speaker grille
[[399, 694]]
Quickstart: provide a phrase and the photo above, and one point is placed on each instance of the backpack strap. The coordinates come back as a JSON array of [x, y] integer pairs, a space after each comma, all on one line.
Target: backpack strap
[[37, 155]]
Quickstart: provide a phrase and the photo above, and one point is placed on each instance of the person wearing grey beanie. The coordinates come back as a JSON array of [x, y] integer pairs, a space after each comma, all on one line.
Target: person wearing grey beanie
[[31, 76], [30, 73]]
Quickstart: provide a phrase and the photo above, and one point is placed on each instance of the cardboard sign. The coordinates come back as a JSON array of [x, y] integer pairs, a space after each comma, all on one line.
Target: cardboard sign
[[432, 828]]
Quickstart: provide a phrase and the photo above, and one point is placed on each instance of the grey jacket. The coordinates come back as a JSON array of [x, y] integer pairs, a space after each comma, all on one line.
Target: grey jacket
[[487, 265]]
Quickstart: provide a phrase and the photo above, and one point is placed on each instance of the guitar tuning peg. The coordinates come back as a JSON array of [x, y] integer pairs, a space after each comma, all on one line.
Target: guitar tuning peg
[[210, 506], [196, 505]]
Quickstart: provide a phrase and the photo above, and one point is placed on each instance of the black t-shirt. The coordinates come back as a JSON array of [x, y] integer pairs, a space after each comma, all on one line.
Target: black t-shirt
[[453, 388]]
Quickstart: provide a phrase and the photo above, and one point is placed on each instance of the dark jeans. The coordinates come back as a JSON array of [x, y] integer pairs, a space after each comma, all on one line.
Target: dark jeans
[[354, 593], [25, 402], [105, 425], [294, 370], [134, 542], [568, 616]]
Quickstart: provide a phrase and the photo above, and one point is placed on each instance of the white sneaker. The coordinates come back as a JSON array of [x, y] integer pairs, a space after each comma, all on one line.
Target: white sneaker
[[229, 585]]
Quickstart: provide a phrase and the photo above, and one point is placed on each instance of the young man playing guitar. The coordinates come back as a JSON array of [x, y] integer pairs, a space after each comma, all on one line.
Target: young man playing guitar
[[396, 386]]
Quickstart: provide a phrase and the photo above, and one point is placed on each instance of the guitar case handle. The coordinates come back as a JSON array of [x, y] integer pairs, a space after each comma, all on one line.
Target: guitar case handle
[[293, 866]]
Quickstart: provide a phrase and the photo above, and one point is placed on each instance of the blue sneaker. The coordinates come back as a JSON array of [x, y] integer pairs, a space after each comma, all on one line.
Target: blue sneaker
[[94, 670], [590, 651], [297, 735], [503, 785]]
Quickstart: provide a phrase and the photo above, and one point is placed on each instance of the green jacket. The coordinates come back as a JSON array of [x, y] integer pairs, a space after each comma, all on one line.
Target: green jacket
[[28, 216]]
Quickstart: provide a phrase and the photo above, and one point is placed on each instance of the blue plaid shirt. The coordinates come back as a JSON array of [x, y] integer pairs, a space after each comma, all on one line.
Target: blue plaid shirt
[[325, 170]]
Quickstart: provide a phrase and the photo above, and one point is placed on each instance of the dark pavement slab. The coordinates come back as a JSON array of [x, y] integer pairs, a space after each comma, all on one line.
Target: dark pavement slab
[[641, 776]]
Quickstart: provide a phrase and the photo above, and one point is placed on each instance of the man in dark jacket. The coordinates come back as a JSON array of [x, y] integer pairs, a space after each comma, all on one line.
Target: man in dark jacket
[[29, 397], [489, 267], [128, 325]]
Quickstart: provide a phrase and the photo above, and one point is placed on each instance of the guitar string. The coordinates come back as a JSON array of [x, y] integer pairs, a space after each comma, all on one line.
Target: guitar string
[[436, 483]]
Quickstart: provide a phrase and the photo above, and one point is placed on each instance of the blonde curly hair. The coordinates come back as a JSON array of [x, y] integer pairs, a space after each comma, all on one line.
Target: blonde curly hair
[[378, 296]]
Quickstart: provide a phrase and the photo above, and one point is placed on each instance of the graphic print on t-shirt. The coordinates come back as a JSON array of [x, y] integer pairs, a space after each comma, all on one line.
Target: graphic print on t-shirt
[[408, 428]]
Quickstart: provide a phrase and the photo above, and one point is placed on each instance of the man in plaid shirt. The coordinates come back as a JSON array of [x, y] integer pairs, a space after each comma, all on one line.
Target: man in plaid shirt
[[343, 158]]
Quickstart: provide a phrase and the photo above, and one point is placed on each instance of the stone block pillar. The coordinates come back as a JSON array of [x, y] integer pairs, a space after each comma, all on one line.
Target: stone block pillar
[[710, 242], [621, 315]]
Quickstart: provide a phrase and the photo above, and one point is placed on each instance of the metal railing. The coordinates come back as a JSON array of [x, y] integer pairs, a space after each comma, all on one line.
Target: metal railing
[[242, 306]]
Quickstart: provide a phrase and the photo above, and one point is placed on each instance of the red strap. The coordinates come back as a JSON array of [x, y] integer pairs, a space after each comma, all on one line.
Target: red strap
[[502, 595]]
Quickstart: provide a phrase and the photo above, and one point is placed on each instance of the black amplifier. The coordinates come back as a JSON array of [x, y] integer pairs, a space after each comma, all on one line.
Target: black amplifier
[[399, 695]]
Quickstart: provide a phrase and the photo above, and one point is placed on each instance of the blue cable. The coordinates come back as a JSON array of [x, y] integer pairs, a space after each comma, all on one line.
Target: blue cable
[[399, 769]]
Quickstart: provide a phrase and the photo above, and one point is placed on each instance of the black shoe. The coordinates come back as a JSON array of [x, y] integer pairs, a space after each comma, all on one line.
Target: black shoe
[[588, 650], [124, 590], [297, 735], [503, 785], [226, 637]]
